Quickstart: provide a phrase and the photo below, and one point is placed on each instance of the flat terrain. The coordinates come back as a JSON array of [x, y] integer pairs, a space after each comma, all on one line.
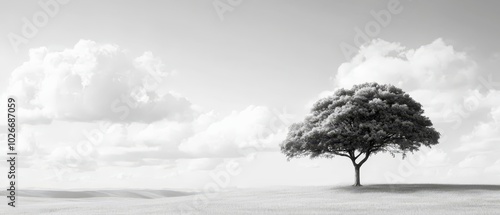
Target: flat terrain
[[370, 199]]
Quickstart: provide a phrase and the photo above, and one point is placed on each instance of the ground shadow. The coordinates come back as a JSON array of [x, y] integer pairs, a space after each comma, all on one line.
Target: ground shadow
[[411, 188]]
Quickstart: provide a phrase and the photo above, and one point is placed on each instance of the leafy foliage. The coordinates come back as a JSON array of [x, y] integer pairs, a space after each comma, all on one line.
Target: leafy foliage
[[367, 119]]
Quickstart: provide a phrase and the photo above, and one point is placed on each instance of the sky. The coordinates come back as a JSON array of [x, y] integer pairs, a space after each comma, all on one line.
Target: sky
[[180, 94]]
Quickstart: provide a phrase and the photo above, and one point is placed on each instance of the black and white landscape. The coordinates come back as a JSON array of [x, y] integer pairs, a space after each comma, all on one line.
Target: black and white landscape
[[250, 107]]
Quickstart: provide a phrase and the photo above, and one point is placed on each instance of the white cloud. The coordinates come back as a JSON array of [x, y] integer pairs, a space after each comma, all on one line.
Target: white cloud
[[495, 114], [432, 66], [199, 144], [484, 137], [477, 161], [253, 129], [66, 159], [481, 145], [435, 74], [94, 82]]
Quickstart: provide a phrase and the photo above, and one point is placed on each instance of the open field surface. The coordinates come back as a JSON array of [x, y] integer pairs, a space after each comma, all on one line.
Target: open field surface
[[370, 199]]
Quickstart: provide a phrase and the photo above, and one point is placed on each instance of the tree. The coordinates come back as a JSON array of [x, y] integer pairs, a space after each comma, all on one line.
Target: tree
[[360, 122]]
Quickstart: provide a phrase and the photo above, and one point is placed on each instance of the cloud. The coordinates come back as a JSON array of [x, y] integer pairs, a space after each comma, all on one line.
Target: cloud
[[482, 144], [92, 82], [63, 157], [199, 144], [435, 74], [485, 136], [433, 66], [28, 145], [495, 114], [477, 161], [253, 129]]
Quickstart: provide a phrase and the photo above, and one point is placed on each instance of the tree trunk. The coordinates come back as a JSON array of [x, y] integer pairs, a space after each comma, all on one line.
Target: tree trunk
[[357, 181]]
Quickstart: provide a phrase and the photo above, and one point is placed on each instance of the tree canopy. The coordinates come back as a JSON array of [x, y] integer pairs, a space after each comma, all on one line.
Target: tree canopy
[[361, 121]]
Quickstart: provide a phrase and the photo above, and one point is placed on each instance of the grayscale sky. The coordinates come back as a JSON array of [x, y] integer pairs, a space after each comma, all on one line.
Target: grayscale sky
[[164, 94]]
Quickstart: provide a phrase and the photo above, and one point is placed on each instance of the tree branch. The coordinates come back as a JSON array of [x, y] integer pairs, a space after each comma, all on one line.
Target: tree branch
[[357, 156], [340, 154], [351, 153], [364, 159]]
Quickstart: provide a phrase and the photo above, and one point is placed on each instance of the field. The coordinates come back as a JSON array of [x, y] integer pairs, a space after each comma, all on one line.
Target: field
[[370, 199]]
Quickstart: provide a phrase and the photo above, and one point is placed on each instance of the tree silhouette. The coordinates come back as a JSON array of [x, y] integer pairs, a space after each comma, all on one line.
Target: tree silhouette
[[359, 122]]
